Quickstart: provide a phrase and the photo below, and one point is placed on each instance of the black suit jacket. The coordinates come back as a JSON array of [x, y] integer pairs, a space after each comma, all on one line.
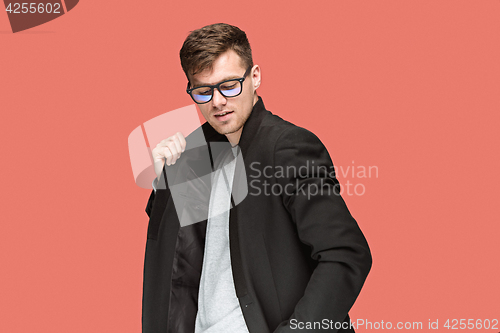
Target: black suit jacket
[[298, 258]]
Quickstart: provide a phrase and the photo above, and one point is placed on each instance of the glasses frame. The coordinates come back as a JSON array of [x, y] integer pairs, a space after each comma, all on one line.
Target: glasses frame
[[217, 86]]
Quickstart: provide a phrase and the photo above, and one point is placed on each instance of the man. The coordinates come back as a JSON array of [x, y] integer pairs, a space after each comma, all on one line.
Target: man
[[289, 256]]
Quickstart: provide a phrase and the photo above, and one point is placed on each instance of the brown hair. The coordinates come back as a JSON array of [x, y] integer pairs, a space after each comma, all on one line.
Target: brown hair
[[203, 46]]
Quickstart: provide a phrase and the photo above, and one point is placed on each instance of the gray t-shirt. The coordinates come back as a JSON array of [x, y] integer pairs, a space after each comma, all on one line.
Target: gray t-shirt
[[218, 307]]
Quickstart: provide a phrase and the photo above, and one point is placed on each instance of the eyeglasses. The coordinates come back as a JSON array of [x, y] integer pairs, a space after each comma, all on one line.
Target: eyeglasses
[[228, 88]]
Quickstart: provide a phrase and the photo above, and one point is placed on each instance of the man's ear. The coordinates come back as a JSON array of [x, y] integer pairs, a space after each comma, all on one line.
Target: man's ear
[[256, 76]]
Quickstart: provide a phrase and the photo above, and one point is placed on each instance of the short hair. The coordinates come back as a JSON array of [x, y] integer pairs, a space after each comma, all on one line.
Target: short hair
[[203, 46]]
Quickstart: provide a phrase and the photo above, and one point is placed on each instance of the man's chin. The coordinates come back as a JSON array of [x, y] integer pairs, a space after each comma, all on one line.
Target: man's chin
[[224, 130]]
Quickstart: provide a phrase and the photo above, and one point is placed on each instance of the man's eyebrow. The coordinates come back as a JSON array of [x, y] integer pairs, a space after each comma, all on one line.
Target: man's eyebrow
[[212, 84]]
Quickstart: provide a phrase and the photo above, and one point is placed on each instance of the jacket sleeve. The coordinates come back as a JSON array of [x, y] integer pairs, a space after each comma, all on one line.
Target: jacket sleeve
[[323, 223], [149, 205]]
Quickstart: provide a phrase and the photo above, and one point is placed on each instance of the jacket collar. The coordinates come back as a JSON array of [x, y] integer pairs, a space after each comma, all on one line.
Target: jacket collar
[[250, 128]]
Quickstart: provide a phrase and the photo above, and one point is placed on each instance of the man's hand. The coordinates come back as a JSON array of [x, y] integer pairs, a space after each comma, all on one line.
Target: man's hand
[[168, 150]]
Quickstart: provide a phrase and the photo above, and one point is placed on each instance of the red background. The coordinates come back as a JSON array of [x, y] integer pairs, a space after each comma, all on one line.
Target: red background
[[411, 87]]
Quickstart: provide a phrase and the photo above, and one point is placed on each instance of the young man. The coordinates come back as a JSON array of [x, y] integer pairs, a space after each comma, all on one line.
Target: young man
[[283, 259]]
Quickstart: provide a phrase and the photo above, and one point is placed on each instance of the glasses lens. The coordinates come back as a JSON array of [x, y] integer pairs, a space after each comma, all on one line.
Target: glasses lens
[[231, 88], [202, 94]]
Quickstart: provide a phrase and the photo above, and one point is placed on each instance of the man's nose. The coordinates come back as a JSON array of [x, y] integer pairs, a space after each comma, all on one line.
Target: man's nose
[[218, 99]]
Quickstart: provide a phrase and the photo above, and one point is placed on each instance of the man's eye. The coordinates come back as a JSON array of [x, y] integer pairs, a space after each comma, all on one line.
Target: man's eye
[[228, 86], [203, 92]]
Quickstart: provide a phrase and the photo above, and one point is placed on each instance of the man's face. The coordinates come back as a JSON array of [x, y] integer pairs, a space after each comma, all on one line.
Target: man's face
[[236, 109]]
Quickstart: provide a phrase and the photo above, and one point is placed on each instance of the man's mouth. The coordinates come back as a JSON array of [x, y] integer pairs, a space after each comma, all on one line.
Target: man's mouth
[[224, 115]]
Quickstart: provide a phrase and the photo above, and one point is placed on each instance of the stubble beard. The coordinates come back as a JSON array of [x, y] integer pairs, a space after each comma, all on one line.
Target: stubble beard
[[236, 128]]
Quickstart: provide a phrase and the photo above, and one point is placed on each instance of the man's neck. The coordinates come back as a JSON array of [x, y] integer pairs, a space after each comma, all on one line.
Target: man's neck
[[234, 138]]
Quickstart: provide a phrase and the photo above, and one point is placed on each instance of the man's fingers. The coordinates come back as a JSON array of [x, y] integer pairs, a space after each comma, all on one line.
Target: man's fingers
[[170, 148], [182, 141], [167, 152], [178, 147]]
